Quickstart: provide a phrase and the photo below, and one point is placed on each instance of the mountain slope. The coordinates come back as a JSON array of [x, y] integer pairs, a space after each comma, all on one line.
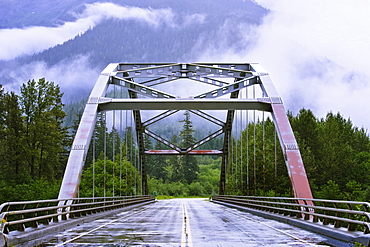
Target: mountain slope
[[18, 14], [190, 30]]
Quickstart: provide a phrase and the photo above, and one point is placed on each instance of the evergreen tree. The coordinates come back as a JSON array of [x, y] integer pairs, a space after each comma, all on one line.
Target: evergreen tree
[[13, 145], [336, 157], [188, 163], [113, 144], [42, 110], [306, 130], [157, 163], [174, 169], [100, 135], [129, 144], [2, 130]]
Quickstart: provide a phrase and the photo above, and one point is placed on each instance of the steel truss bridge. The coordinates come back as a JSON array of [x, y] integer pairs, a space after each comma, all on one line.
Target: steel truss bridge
[[216, 88], [227, 81]]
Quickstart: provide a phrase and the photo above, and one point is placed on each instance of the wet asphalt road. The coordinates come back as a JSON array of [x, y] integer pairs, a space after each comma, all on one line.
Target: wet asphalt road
[[185, 222]]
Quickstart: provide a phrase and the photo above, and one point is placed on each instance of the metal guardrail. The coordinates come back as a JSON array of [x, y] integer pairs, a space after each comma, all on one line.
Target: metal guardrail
[[17, 216], [355, 216]]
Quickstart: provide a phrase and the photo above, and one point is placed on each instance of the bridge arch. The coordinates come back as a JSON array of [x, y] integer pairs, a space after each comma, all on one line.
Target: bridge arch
[[140, 78]]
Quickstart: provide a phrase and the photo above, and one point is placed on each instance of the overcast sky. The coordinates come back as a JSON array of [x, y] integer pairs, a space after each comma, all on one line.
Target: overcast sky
[[316, 51]]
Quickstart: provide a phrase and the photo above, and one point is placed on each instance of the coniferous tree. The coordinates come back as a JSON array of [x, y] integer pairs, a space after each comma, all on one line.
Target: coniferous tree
[[42, 110], [13, 138], [189, 165], [2, 130], [174, 168], [113, 144], [157, 163], [129, 144]]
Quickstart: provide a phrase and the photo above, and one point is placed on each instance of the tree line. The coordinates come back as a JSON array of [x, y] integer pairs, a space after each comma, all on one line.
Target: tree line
[[34, 143], [35, 146], [335, 153]]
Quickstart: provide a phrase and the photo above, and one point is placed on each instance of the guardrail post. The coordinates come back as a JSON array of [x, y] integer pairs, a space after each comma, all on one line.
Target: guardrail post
[[46, 212], [35, 224], [337, 223], [306, 209], [298, 207], [22, 227], [351, 227], [64, 210], [325, 221], [55, 218]]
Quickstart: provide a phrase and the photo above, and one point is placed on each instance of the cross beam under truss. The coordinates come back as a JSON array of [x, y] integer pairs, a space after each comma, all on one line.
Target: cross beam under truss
[[139, 78]]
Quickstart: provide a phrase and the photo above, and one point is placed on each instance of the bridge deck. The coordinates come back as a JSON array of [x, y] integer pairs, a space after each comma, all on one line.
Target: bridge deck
[[185, 222]]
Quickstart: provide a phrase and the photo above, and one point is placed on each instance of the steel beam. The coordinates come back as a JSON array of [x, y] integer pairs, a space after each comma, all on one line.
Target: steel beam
[[163, 141], [185, 104], [226, 145], [140, 89], [174, 152], [208, 117], [293, 159], [159, 117], [80, 146], [236, 86], [140, 142]]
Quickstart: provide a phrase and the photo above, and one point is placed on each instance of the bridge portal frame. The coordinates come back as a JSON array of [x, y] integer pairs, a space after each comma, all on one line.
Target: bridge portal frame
[[151, 74]]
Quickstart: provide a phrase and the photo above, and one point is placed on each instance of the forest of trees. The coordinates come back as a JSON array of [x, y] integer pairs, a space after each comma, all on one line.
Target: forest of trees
[[335, 153], [34, 143], [35, 147]]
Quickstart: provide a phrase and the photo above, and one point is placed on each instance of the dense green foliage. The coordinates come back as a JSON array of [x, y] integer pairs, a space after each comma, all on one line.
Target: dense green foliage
[[35, 145], [109, 179], [33, 141], [206, 184], [111, 167], [336, 155], [173, 175]]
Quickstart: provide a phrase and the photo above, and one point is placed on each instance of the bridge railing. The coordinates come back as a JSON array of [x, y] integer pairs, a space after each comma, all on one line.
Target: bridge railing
[[355, 216], [17, 216]]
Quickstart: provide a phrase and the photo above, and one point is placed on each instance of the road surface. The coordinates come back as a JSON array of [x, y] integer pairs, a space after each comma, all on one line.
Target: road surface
[[185, 222]]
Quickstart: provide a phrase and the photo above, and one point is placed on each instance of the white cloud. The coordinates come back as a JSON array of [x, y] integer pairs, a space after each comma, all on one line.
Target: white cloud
[[18, 42], [194, 18], [76, 77], [99, 11], [317, 53]]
